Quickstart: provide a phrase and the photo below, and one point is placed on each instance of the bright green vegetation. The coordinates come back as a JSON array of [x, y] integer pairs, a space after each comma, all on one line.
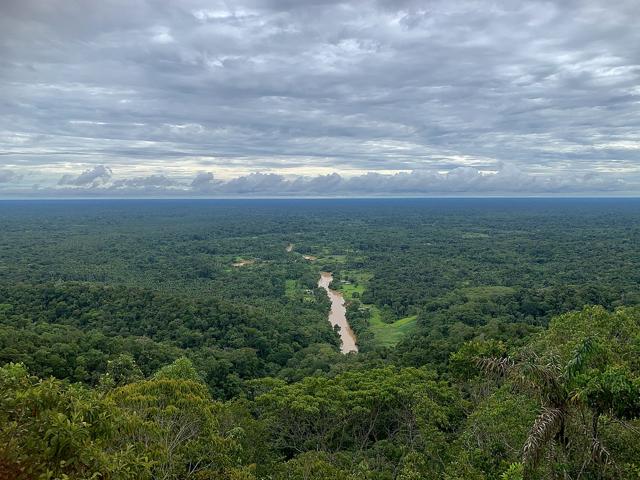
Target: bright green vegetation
[[291, 288], [389, 334], [295, 291], [352, 285], [499, 340], [348, 289]]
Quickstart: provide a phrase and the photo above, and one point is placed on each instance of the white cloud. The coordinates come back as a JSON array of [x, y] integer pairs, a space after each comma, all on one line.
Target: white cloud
[[161, 35]]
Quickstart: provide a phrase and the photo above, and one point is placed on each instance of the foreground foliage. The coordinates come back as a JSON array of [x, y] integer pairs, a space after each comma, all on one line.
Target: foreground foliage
[[566, 405]]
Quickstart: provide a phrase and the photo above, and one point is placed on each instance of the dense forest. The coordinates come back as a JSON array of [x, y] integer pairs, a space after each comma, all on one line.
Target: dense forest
[[188, 339]]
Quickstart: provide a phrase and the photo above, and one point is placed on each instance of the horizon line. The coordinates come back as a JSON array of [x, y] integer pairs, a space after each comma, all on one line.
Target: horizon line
[[327, 197]]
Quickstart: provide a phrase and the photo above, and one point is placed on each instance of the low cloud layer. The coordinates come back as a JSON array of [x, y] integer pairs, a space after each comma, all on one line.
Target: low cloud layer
[[8, 176], [93, 176], [197, 95], [102, 181]]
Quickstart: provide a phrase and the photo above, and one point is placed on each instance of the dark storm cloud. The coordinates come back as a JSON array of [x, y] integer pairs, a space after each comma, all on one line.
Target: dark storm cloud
[[159, 89]]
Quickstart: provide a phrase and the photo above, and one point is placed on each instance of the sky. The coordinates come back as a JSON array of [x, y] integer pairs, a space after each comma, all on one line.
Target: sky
[[319, 97]]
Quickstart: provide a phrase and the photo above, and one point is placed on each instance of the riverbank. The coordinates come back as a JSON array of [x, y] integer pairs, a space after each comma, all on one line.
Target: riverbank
[[338, 314]]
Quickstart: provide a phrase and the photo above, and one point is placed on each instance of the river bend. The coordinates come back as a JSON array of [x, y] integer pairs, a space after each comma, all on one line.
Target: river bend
[[338, 314]]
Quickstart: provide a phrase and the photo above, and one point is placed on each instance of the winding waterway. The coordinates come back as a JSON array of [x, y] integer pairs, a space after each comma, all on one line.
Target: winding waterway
[[337, 315]]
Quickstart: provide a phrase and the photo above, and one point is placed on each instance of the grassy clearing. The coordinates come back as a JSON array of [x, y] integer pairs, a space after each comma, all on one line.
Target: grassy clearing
[[348, 289], [389, 334], [332, 258], [355, 276], [293, 291], [385, 334], [323, 257], [242, 262], [353, 281]]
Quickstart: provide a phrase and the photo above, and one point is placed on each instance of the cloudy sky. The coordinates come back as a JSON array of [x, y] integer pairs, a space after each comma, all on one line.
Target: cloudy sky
[[285, 97]]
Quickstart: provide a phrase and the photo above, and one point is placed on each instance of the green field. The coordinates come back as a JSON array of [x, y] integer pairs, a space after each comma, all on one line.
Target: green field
[[389, 334], [385, 334], [294, 291], [348, 289]]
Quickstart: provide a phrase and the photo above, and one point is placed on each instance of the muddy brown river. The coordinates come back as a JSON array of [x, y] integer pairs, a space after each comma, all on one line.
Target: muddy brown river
[[337, 315]]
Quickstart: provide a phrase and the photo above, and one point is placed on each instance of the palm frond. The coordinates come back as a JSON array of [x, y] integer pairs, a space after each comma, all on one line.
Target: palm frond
[[544, 428], [499, 366], [540, 376], [580, 356], [599, 453]]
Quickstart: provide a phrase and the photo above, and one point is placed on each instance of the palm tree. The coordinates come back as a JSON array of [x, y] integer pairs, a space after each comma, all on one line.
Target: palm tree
[[561, 398]]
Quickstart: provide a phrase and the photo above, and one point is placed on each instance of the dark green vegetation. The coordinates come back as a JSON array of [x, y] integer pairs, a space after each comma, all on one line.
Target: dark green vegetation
[[133, 347]]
